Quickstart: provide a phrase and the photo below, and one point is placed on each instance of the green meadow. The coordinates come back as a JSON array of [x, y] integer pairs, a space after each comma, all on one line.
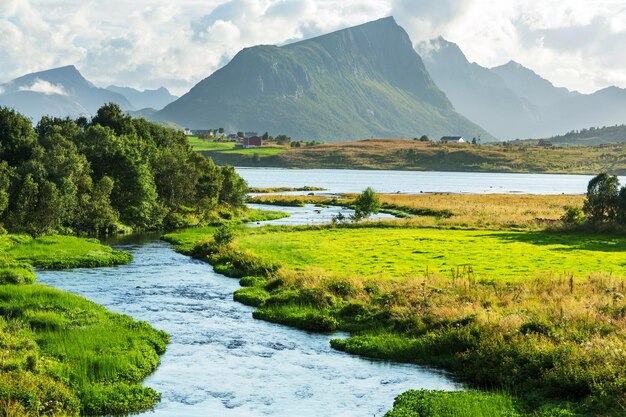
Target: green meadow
[[396, 253], [229, 148]]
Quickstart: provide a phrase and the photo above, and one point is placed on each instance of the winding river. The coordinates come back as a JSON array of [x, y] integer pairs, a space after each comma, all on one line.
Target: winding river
[[221, 361]]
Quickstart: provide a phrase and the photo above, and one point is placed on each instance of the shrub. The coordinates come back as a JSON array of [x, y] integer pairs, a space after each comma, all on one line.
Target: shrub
[[573, 215]]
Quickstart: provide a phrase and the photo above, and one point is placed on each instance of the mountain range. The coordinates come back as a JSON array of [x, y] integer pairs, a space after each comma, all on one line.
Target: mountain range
[[146, 99], [65, 92], [512, 101], [359, 82]]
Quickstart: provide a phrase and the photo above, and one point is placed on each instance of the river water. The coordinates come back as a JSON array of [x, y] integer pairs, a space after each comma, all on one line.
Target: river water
[[221, 362], [415, 182]]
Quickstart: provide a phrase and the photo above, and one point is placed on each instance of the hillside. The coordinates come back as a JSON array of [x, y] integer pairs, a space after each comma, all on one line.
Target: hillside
[[57, 92], [401, 154], [592, 136], [355, 83]]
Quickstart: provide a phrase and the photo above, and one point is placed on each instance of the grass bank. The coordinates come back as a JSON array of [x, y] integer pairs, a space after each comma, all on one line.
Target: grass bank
[[537, 314], [402, 154], [63, 355]]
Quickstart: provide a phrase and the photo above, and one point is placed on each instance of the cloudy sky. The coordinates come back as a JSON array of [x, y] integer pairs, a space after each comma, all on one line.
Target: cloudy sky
[[579, 44]]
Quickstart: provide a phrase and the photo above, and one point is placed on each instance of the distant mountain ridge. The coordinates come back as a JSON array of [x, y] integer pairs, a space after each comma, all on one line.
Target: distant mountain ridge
[[57, 92], [512, 101], [358, 82], [155, 99]]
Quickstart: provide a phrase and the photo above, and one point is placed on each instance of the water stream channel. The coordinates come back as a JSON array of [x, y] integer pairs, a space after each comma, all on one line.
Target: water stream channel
[[221, 362]]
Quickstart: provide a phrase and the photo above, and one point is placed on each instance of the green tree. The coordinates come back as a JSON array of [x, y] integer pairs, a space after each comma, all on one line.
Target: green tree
[[234, 188], [602, 197], [366, 204], [17, 137], [111, 115], [621, 206], [5, 182], [96, 213], [283, 140]]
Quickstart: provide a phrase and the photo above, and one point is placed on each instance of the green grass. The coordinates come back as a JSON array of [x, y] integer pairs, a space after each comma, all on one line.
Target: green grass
[[424, 403], [186, 239], [92, 358], [398, 252], [59, 252], [198, 144], [227, 151]]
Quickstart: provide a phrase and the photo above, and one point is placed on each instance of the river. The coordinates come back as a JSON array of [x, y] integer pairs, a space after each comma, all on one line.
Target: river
[[221, 362], [415, 182]]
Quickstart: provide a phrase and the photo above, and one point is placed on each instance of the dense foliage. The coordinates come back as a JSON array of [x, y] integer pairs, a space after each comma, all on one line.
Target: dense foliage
[[101, 175]]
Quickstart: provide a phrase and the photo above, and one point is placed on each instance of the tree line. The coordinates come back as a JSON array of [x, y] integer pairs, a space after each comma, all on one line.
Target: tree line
[[97, 176]]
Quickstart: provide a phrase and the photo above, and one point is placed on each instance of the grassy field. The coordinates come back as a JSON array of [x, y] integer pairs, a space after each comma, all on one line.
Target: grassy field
[[402, 154], [400, 253], [491, 211], [223, 152], [63, 355]]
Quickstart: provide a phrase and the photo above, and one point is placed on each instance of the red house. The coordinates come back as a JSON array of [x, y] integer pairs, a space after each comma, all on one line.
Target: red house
[[252, 142]]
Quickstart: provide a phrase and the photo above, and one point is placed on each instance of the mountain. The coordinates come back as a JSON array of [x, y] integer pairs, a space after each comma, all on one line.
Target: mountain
[[477, 92], [57, 92], [359, 82], [512, 101], [155, 99], [529, 85]]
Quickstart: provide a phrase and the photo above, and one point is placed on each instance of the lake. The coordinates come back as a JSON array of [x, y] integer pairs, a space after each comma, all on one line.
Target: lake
[[415, 182]]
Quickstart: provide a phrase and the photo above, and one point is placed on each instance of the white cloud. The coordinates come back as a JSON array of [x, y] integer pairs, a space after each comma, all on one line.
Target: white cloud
[[44, 87], [1, 91], [148, 43]]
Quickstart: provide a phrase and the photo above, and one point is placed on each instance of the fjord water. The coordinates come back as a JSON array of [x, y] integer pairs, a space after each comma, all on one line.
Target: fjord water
[[221, 361], [415, 182]]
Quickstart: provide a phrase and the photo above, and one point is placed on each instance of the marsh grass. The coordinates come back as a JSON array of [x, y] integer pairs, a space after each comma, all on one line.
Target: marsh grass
[[475, 211]]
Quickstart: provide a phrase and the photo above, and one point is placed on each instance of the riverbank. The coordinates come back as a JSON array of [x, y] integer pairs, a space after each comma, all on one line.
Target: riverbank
[[62, 354], [550, 336], [412, 155]]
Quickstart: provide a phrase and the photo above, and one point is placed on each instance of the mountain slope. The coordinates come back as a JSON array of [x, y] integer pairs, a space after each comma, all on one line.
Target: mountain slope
[[155, 99], [358, 82], [475, 91], [57, 92], [529, 85], [512, 101]]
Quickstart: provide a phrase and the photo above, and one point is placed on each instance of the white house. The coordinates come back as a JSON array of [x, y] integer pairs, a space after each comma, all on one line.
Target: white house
[[452, 139]]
